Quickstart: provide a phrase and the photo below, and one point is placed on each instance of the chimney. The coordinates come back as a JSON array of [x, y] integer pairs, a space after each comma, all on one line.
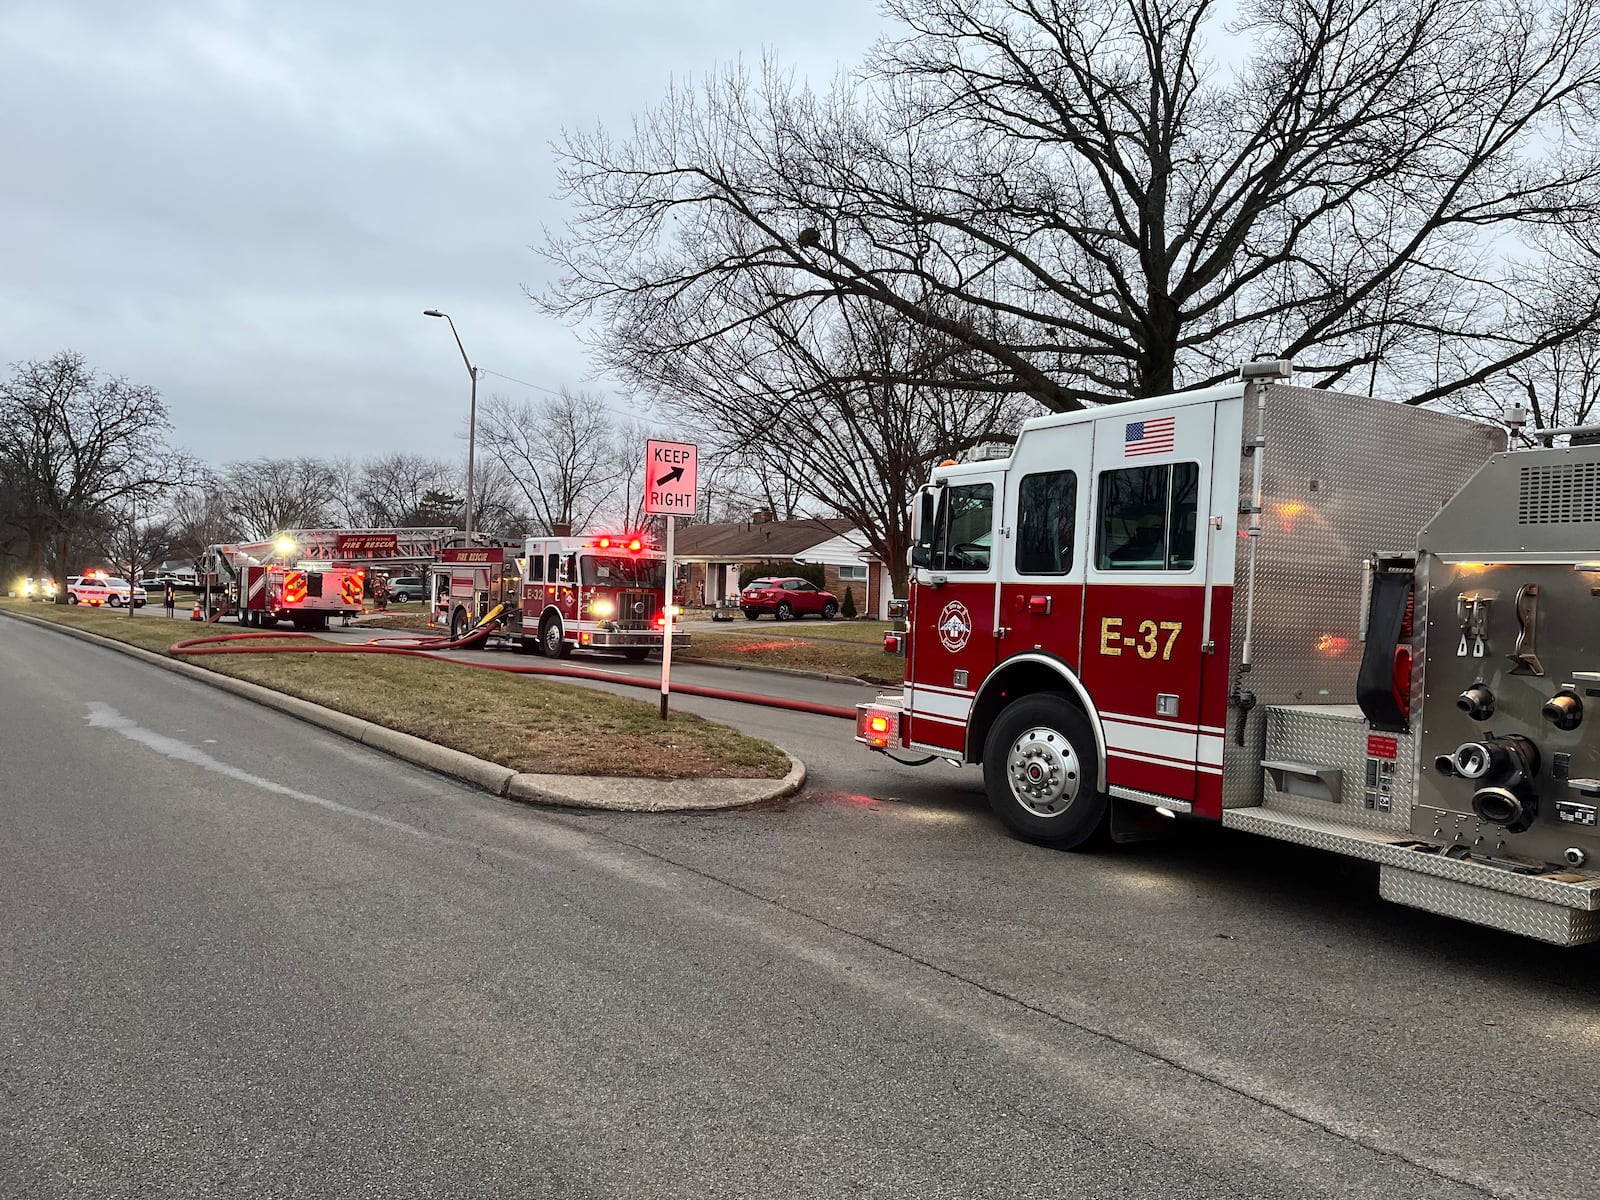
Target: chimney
[[560, 529], [761, 516]]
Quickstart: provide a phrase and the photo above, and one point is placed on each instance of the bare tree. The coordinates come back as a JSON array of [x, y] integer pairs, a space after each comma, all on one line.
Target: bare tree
[[559, 453], [77, 447], [1076, 193], [265, 496], [391, 489], [811, 410], [133, 540], [199, 518], [1560, 387]]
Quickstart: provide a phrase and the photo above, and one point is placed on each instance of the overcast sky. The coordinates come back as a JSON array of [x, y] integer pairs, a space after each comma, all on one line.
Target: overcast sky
[[248, 203]]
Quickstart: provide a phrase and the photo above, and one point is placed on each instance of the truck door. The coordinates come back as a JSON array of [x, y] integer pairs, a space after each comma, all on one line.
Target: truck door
[[953, 638], [1144, 594], [1043, 565]]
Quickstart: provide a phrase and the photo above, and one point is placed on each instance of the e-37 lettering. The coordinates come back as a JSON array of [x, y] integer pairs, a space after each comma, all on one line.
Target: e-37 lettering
[[1147, 639]]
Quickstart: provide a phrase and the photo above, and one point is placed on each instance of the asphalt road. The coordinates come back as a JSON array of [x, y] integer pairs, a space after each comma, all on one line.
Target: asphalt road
[[243, 957]]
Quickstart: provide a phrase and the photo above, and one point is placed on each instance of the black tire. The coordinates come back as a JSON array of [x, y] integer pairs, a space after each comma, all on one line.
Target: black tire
[[114, 601], [784, 611], [399, 598], [72, 600], [458, 625], [1044, 737], [555, 646], [830, 610], [750, 614], [636, 653]]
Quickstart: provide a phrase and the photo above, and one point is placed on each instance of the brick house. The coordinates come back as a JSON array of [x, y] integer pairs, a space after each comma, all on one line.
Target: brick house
[[716, 552]]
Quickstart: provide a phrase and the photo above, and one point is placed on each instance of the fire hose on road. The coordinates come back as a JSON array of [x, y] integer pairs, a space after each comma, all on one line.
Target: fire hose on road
[[230, 643]]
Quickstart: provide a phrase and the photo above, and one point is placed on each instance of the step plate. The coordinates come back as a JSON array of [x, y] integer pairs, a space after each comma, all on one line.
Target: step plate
[[1515, 914]]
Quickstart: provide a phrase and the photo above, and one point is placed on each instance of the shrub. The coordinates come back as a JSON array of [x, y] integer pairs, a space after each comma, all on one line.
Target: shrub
[[848, 608]]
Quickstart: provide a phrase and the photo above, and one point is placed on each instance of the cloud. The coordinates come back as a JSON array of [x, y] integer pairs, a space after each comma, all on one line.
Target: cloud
[[248, 204]]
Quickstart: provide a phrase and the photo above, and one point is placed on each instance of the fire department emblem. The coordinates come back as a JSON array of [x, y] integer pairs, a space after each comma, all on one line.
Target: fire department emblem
[[955, 626]]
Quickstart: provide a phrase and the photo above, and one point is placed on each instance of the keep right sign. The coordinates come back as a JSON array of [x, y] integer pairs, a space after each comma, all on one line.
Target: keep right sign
[[671, 478]]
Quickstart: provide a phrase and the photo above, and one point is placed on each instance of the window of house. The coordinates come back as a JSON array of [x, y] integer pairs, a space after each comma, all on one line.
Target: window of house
[[853, 573], [1047, 508], [1148, 518], [966, 528]]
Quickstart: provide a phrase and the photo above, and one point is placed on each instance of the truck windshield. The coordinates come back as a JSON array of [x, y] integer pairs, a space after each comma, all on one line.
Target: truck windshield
[[619, 570]]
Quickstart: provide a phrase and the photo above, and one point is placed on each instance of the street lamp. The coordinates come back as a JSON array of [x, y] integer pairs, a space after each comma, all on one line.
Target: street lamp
[[472, 420]]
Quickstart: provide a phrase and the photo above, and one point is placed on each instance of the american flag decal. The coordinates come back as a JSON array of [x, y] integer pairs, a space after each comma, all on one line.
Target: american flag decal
[[1153, 435]]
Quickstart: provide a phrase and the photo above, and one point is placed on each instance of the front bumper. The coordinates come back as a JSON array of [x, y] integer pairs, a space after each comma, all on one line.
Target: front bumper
[[627, 639]]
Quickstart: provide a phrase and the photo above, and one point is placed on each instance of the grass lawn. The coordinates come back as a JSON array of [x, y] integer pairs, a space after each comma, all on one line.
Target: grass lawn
[[766, 648], [809, 629], [415, 621], [522, 722]]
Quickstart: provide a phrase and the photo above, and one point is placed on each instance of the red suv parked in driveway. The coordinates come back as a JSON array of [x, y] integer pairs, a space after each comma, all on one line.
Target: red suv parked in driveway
[[787, 599]]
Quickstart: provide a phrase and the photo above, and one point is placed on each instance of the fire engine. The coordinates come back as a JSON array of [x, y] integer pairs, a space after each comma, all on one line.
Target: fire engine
[[1219, 603], [602, 592], [263, 583]]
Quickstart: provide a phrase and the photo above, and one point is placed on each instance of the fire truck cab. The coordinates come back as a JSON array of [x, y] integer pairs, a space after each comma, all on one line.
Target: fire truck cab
[[602, 592], [1216, 603]]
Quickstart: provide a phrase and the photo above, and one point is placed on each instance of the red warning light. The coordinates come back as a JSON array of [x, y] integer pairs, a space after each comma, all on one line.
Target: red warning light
[[604, 543], [636, 545]]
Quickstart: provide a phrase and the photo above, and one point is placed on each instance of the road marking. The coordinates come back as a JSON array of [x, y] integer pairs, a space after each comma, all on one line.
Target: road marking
[[103, 716]]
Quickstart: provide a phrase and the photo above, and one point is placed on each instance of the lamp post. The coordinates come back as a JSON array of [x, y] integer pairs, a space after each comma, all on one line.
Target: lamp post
[[472, 419]]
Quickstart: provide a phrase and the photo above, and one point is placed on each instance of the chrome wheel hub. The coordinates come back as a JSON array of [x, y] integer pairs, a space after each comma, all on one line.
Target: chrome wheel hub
[[1044, 772]]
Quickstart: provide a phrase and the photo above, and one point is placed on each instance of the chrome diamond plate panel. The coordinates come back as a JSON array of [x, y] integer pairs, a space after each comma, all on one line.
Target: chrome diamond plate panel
[[1335, 735], [1341, 480], [1394, 851], [1515, 914]]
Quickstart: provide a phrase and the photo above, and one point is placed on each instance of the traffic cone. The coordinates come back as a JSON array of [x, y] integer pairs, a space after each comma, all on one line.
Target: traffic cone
[[195, 615]]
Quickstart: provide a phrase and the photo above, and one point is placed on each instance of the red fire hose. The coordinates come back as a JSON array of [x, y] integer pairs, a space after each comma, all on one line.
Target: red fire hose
[[227, 643]]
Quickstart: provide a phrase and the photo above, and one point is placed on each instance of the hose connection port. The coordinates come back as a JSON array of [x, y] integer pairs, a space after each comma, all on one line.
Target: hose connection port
[[1564, 710], [1505, 768], [1477, 702]]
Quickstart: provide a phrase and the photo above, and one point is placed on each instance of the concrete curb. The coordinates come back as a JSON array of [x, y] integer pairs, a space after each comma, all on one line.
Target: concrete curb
[[610, 792]]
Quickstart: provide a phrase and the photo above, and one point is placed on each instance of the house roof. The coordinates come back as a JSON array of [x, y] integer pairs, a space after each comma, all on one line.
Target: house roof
[[747, 541], [848, 549]]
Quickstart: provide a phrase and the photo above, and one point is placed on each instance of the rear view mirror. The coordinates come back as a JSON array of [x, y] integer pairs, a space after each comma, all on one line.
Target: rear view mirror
[[921, 556]]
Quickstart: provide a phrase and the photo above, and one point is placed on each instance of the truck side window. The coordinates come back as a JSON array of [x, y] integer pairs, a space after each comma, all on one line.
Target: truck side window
[[536, 568], [1148, 518], [1047, 507], [966, 529]]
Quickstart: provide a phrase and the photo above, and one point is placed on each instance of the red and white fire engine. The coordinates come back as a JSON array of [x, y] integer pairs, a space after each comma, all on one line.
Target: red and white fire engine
[[1219, 603], [263, 583], [602, 592]]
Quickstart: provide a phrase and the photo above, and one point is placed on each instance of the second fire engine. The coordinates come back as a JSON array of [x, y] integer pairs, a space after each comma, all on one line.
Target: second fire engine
[[603, 592]]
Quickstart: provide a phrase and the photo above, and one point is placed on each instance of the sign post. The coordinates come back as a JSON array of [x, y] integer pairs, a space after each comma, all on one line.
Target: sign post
[[671, 489]]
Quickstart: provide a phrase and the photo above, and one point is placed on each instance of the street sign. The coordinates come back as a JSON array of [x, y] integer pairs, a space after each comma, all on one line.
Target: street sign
[[671, 478]]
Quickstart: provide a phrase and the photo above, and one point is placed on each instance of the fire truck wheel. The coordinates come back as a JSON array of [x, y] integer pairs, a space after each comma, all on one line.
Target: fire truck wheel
[[1039, 766], [636, 653], [555, 646], [458, 626]]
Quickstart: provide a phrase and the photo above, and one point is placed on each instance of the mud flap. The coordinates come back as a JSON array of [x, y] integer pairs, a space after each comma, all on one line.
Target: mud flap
[[1130, 821]]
